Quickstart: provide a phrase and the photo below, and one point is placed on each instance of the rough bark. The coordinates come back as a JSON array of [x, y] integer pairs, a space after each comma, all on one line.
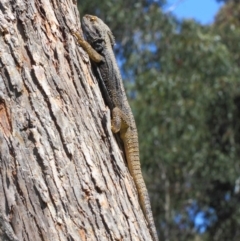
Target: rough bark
[[62, 174]]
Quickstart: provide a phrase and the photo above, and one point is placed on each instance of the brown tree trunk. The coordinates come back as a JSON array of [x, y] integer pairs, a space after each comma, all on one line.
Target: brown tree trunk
[[62, 174]]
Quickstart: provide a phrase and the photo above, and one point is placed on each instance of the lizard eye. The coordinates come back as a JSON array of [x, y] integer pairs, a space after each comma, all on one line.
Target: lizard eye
[[92, 19]]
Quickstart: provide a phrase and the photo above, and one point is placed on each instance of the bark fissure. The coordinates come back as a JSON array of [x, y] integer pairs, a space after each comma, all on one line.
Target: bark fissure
[[51, 112]]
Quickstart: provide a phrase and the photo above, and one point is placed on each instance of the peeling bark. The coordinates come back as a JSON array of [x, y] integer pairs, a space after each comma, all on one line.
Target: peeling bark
[[62, 174]]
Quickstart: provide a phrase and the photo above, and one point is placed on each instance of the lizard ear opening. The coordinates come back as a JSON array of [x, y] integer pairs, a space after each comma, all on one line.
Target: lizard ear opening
[[112, 39]]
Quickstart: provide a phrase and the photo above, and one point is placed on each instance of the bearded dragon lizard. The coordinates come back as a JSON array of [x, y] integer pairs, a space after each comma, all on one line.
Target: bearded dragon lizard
[[99, 46]]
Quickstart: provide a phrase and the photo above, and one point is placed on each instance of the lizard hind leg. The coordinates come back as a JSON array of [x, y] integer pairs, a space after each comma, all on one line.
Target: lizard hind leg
[[119, 120], [116, 120]]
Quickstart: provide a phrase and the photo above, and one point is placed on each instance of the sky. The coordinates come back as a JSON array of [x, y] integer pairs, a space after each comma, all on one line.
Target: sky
[[201, 10]]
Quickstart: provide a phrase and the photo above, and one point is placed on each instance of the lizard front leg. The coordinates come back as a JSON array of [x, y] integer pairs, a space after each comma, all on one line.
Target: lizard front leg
[[93, 54]]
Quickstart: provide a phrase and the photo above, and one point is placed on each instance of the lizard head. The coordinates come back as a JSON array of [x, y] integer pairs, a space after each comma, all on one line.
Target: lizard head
[[97, 32]]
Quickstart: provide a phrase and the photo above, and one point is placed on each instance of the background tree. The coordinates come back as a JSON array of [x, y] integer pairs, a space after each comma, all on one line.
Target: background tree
[[183, 81]]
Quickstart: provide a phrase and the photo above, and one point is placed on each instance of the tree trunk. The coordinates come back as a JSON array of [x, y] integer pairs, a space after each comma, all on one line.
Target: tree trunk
[[62, 174]]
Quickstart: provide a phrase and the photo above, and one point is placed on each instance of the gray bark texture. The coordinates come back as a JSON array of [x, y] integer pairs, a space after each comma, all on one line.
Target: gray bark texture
[[62, 171]]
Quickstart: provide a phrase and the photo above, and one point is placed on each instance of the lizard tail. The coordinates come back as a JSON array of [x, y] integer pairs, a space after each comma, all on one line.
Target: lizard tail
[[146, 206], [132, 153]]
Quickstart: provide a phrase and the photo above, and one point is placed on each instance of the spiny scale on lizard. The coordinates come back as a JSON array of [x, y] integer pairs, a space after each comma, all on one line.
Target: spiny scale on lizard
[[99, 46]]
